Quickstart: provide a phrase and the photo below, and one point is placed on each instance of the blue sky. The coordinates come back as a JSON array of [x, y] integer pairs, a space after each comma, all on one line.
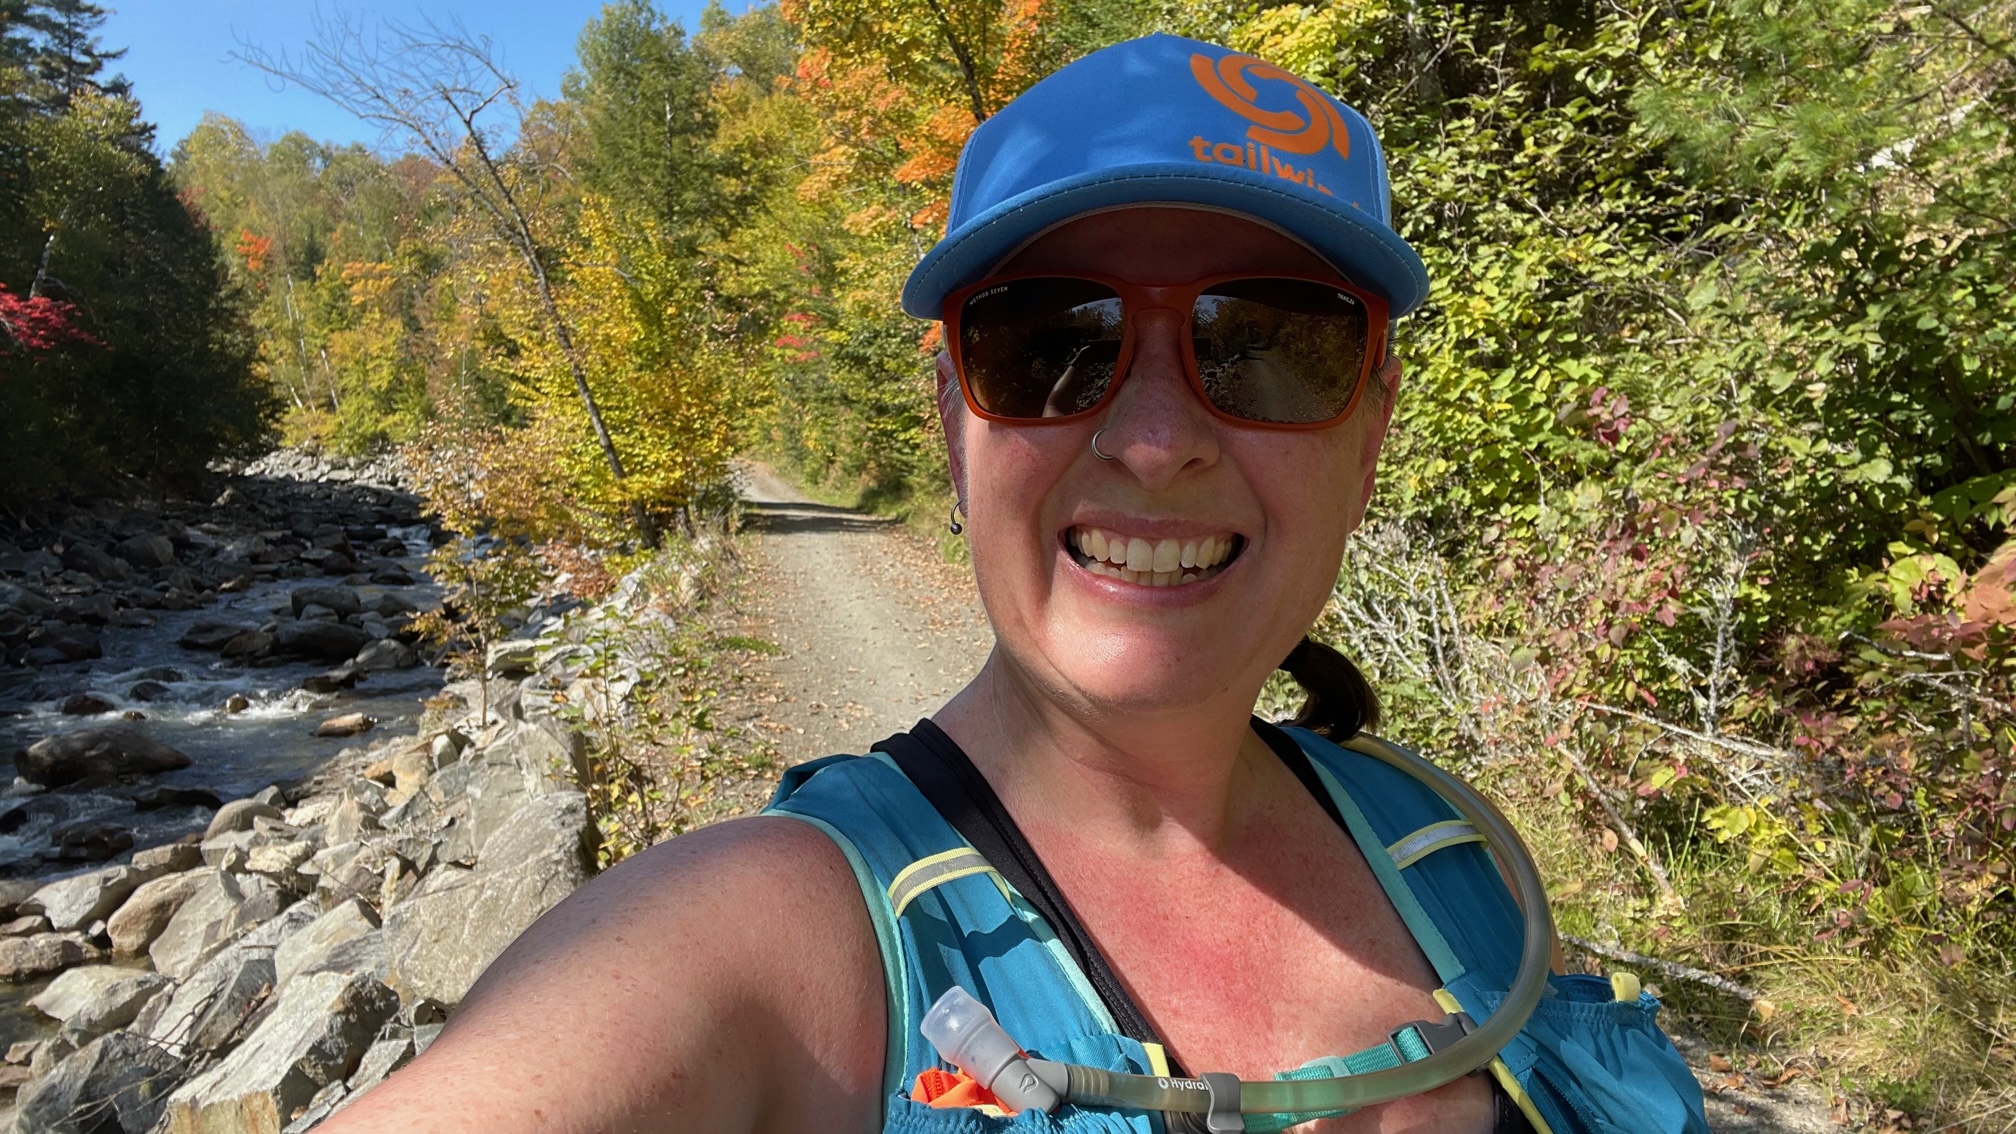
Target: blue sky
[[178, 53]]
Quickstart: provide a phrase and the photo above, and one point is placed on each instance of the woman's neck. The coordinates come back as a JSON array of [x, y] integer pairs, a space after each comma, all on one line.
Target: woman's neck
[[1138, 781]]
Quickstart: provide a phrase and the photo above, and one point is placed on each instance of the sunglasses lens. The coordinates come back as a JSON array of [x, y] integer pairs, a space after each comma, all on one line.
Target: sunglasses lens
[[1042, 347], [1288, 352]]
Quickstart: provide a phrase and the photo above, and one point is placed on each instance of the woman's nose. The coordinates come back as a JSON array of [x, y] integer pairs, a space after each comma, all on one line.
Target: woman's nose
[[1157, 426]]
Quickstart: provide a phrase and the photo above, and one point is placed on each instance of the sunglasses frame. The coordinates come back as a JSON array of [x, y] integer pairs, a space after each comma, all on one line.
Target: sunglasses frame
[[1137, 298]]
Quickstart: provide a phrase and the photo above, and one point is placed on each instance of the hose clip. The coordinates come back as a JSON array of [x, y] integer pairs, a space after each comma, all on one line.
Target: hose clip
[[1435, 1035]]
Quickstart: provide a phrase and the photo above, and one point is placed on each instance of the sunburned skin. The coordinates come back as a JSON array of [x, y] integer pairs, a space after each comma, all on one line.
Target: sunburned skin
[[1112, 718]]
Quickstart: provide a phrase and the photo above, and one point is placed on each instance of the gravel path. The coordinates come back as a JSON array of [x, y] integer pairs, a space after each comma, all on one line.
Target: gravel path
[[873, 630]]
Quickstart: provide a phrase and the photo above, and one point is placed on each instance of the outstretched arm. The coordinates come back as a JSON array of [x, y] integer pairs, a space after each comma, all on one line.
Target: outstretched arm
[[726, 981]]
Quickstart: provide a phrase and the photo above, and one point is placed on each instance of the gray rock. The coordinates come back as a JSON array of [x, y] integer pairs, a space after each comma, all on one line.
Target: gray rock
[[84, 705], [271, 795], [342, 601], [172, 858], [221, 907], [114, 1005], [281, 862], [458, 921], [144, 914], [347, 724], [389, 1054], [332, 641], [207, 1011], [25, 926], [513, 658], [114, 1085], [79, 901], [71, 991], [313, 945], [238, 815], [316, 1035], [24, 957], [387, 653], [228, 850], [363, 954], [212, 634], [148, 551], [110, 751], [57, 643], [350, 821], [326, 1102]]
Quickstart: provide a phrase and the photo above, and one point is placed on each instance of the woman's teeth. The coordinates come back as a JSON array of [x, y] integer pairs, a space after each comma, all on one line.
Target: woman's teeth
[[1151, 563]]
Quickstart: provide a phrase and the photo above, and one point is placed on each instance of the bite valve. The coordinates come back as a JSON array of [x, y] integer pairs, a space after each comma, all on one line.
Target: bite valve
[[968, 1037]]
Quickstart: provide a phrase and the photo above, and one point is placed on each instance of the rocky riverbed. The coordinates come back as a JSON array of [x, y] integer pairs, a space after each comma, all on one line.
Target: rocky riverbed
[[254, 851]]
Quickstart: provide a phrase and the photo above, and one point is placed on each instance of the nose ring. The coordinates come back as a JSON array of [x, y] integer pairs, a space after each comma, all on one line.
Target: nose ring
[[1095, 447]]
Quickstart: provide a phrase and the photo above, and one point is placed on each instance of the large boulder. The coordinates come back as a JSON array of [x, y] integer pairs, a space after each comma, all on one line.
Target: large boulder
[[35, 955], [142, 917], [316, 1035], [149, 552], [443, 936], [71, 991], [342, 600], [222, 906], [115, 1004], [206, 1012], [387, 653], [54, 645], [114, 1085], [331, 641], [212, 634], [109, 751], [78, 901], [312, 947], [238, 815]]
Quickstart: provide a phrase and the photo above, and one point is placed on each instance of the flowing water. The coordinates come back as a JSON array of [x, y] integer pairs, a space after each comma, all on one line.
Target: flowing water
[[232, 755]]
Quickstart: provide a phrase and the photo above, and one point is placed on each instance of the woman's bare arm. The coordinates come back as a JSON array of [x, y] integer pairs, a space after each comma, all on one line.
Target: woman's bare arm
[[725, 981]]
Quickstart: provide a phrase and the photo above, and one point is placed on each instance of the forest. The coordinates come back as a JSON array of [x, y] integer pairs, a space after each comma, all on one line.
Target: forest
[[1694, 536]]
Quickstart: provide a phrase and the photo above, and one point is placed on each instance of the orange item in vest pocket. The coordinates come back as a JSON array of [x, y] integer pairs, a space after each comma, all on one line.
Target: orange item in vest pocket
[[943, 1090]]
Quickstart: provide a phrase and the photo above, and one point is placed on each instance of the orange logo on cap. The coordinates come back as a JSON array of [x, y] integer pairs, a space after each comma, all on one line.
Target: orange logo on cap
[[1227, 82]]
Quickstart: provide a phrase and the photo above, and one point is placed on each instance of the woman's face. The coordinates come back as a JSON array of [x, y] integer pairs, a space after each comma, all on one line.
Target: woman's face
[[1261, 513]]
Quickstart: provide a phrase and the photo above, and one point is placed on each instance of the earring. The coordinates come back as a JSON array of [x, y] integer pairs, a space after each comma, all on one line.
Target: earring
[[954, 525]]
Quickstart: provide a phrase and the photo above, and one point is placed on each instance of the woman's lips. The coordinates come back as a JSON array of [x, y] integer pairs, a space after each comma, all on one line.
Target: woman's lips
[[1151, 562]]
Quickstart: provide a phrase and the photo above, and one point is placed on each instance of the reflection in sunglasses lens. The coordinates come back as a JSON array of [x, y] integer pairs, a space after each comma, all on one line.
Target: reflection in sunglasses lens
[[1039, 348], [1283, 351]]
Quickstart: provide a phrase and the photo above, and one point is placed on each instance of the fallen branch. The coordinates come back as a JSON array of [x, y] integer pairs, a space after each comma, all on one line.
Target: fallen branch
[[1631, 840], [1732, 744], [1669, 968]]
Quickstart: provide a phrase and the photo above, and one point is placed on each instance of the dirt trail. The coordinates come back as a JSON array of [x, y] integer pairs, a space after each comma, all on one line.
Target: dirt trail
[[874, 630]]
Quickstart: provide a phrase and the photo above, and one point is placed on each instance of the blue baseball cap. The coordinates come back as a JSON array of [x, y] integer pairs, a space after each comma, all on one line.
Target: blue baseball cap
[[1163, 119]]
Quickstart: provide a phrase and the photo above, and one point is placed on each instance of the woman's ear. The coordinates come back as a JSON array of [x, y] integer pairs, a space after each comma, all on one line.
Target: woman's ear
[[952, 420]]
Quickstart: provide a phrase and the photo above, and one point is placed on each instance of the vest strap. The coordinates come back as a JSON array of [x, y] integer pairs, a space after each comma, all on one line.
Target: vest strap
[[1412, 848]]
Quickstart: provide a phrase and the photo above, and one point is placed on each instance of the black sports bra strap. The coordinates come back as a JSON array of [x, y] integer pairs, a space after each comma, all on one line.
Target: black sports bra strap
[[934, 762]]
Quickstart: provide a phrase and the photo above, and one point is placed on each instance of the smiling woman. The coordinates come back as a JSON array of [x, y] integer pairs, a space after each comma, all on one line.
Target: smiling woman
[[1164, 396]]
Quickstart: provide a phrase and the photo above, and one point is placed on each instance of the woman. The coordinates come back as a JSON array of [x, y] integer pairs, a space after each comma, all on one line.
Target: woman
[[1166, 285]]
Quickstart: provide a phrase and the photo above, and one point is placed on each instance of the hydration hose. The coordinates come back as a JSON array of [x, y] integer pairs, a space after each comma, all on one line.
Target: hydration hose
[[968, 1037]]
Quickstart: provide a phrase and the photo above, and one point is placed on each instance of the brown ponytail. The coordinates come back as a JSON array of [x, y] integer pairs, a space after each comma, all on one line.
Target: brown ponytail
[[1341, 702]]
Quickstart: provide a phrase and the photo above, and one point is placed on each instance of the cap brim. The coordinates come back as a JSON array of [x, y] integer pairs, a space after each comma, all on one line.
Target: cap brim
[[1369, 253]]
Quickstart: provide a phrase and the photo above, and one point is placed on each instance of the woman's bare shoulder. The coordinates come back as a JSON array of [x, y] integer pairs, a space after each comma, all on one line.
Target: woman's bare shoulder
[[697, 985]]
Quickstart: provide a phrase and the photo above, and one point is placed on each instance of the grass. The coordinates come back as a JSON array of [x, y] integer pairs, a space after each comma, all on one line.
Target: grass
[[1890, 1027]]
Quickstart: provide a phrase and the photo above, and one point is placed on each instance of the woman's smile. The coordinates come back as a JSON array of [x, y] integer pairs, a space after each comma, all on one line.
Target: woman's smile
[[1148, 560]]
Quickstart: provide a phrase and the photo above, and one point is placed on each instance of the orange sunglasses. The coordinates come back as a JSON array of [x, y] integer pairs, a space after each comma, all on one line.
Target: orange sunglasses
[[1275, 351]]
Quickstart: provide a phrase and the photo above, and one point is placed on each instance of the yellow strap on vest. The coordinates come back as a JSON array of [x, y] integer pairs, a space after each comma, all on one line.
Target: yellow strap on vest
[[1426, 841], [936, 870], [1502, 1073]]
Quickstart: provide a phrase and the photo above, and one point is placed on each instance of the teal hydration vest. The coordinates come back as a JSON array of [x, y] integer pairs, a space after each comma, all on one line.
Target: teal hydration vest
[[1590, 1061]]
